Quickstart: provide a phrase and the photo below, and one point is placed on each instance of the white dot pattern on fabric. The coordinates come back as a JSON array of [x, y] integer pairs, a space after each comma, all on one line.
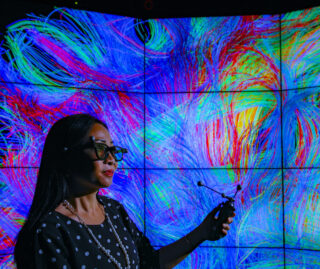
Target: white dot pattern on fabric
[[80, 246]]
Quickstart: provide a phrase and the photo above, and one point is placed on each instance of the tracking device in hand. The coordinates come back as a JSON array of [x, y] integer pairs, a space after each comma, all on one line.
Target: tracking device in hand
[[226, 208]]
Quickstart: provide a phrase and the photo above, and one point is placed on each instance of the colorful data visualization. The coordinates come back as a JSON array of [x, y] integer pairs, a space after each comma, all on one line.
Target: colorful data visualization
[[226, 101]]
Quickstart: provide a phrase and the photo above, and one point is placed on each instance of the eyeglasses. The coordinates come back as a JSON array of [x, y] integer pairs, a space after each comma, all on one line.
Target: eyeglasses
[[102, 151]]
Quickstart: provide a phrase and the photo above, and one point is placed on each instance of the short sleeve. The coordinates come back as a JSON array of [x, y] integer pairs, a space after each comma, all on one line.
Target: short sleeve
[[149, 257], [50, 252]]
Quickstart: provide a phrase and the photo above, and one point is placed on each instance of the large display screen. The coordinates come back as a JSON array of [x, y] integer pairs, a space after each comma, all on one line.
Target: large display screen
[[225, 100]]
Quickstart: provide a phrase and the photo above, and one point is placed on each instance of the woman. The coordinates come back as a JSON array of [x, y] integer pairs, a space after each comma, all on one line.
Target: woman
[[70, 226]]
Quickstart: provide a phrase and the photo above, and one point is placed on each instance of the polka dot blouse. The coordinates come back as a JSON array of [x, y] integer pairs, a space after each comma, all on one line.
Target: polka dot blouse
[[61, 242]]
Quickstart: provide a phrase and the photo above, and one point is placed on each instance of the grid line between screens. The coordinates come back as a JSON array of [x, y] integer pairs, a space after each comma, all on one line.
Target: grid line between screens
[[70, 87], [306, 249], [150, 93], [282, 151], [168, 169], [242, 92], [144, 138]]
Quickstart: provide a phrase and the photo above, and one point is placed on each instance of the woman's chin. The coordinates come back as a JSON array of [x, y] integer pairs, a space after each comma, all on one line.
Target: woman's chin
[[106, 181]]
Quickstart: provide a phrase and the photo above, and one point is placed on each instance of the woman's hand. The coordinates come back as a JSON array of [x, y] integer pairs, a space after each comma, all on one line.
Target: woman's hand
[[214, 228]]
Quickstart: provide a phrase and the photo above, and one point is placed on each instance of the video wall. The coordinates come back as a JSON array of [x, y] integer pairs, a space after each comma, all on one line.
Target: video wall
[[225, 100]]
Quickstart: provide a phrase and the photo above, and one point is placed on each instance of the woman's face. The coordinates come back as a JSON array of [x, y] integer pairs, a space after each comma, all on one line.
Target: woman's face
[[103, 170]]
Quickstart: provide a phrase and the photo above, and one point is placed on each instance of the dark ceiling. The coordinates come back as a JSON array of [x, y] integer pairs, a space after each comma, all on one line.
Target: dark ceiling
[[181, 8]]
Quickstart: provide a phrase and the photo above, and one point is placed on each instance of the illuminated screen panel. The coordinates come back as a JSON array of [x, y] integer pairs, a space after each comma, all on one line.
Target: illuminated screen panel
[[74, 48], [17, 187], [196, 130], [233, 258], [300, 31], [73, 61], [16, 190], [301, 127], [175, 205], [302, 209], [297, 259], [213, 54], [27, 112]]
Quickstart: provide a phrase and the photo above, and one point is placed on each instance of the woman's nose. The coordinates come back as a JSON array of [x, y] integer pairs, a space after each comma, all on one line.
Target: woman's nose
[[110, 159]]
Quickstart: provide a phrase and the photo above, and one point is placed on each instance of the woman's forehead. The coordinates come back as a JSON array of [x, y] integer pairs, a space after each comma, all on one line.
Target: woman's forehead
[[100, 133]]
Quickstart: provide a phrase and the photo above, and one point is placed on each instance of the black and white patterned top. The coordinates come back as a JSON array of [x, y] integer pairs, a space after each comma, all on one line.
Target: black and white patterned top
[[61, 242]]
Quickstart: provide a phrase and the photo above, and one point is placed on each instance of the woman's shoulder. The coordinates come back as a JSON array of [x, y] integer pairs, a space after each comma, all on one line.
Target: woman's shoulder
[[53, 222], [49, 218]]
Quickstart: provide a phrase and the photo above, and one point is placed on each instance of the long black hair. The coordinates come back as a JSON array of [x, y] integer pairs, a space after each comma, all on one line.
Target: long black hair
[[59, 158]]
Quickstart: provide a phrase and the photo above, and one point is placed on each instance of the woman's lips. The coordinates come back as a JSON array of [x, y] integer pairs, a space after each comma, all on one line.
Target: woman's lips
[[108, 173]]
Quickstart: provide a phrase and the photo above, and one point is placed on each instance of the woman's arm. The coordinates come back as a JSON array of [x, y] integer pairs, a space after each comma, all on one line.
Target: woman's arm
[[209, 229]]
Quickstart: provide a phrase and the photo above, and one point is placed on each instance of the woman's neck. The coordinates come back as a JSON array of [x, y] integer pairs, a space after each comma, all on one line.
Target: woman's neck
[[85, 204], [87, 207]]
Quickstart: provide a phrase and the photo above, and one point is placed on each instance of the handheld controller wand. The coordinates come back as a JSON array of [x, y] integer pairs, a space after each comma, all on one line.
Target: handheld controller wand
[[227, 207]]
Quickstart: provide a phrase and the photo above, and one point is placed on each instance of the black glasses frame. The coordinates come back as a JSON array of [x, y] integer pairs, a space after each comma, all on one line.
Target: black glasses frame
[[114, 150]]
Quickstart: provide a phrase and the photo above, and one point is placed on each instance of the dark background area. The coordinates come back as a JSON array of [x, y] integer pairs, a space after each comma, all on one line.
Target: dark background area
[[13, 10], [167, 8]]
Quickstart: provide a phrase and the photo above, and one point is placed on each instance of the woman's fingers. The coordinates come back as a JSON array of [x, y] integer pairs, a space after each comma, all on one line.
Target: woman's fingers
[[225, 228], [230, 220]]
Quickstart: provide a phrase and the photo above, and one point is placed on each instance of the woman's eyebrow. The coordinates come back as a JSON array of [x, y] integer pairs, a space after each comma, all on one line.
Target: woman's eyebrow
[[102, 140]]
